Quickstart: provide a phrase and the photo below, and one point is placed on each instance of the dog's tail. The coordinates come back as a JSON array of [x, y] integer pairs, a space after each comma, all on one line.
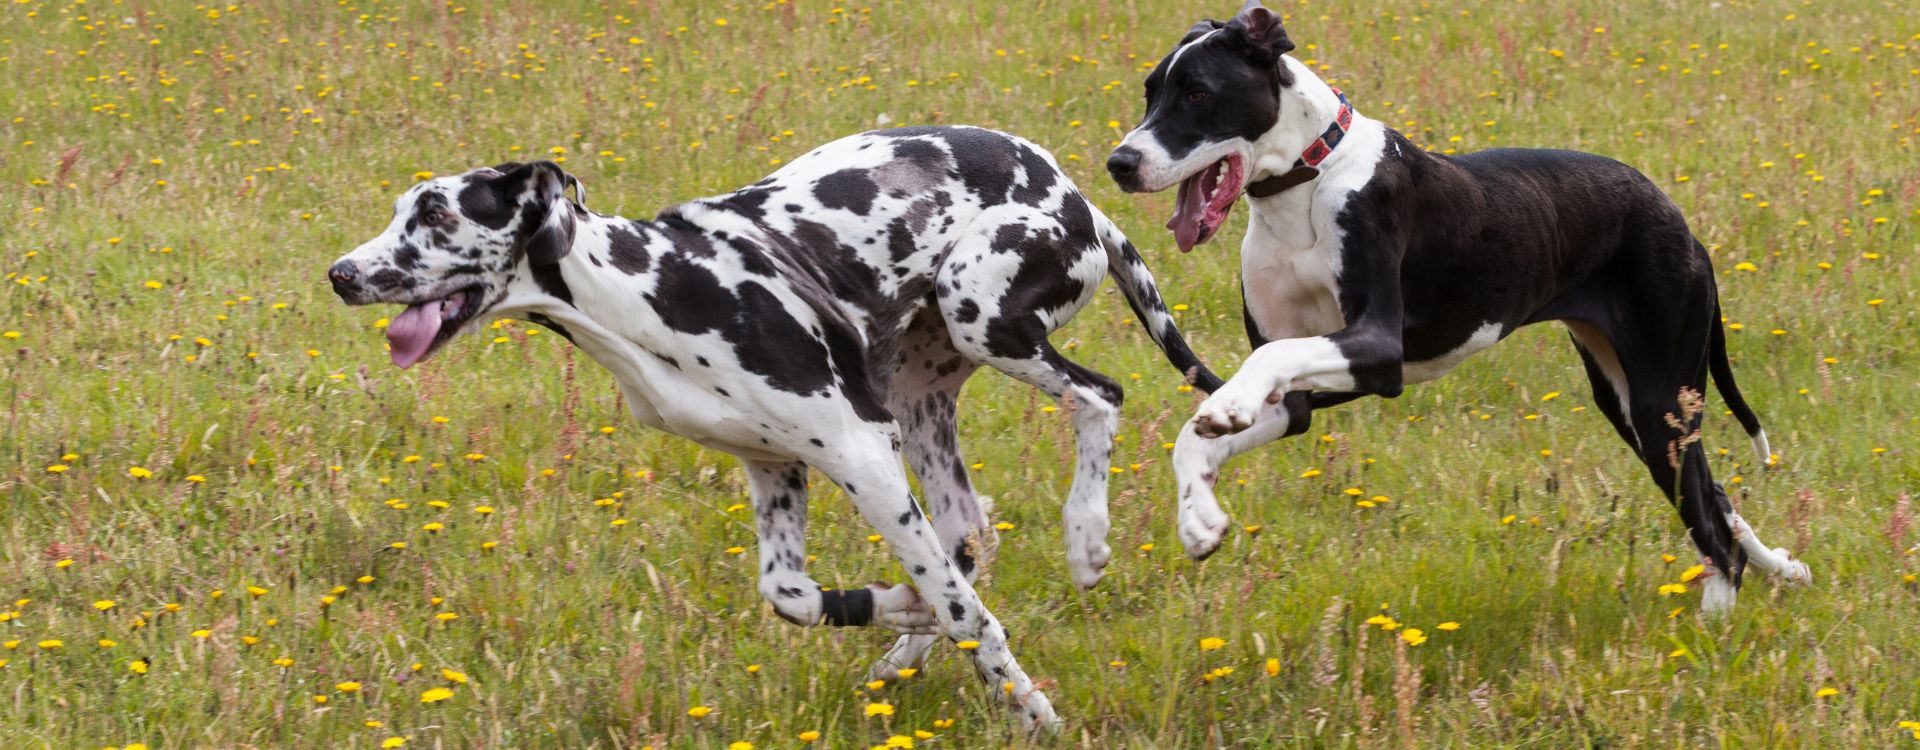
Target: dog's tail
[[1723, 379], [1130, 272]]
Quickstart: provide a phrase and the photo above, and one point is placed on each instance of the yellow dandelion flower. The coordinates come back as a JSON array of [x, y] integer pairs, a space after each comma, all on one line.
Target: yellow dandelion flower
[[104, 605], [348, 687], [967, 645], [699, 712], [809, 736], [436, 695], [459, 678], [1449, 625], [1212, 644], [393, 742], [879, 709], [1413, 636]]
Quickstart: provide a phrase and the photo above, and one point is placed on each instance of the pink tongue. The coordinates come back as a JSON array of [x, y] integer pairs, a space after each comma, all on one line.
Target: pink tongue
[[411, 332], [1188, 210]]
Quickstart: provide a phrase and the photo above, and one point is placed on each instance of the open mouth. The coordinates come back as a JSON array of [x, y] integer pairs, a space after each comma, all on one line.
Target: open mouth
[[1204, 200], [424, 326]]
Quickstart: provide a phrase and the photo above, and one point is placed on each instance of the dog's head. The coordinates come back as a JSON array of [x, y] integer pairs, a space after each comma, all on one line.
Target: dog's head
[[1208, 101], [453, 249]]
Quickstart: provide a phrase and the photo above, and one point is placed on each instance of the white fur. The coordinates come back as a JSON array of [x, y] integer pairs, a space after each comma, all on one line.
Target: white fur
[[1483, 337], [1774, 561]]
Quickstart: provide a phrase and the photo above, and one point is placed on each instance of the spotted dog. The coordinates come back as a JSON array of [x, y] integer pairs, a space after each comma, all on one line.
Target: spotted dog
[[1370, 264], [826, 317]]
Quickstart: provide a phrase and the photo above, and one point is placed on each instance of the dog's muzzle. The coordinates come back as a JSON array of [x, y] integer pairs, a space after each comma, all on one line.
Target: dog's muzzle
[[346, 279], [1124, 166]]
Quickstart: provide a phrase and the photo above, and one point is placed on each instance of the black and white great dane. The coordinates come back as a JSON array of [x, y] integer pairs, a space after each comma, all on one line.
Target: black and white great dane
[[825, 316], [1370, 264]]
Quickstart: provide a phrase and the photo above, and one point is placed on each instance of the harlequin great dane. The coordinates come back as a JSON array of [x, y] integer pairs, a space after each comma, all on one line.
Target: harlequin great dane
[[1370, 264], [825, 316]]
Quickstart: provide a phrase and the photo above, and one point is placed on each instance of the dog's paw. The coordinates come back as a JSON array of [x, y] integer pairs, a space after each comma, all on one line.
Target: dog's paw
[[1036, 713], [1795, 572], [1231, 409], [907, 653], [1203, 526], [899, 608], [1716, 594], [1087, 560]]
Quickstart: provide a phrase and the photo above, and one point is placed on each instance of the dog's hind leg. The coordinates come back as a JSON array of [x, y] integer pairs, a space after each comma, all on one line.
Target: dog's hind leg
[[864, 464], [1002, 290], [1651, 383], [780, 509], [924, 398]]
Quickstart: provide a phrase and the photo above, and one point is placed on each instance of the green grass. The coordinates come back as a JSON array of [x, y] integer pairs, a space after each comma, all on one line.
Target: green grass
[[173, 177]]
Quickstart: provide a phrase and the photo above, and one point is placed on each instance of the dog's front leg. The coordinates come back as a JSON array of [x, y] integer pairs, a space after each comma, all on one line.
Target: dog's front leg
[[1196, 469]]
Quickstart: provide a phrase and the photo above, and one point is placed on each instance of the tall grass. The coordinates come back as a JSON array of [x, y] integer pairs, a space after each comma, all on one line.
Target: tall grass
[[207, 462]]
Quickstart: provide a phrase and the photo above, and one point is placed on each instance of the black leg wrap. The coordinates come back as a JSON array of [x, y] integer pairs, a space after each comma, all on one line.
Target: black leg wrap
[[851, 608]]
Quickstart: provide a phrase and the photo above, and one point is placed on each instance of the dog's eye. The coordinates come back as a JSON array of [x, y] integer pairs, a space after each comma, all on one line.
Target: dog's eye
[[1196, 97]]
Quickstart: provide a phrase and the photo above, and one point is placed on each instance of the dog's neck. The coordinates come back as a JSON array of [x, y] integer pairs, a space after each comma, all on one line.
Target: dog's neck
[[1307, 109], [572, 297]]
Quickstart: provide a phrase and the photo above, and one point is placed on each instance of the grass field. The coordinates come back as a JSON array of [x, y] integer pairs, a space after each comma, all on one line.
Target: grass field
[[222, 510]]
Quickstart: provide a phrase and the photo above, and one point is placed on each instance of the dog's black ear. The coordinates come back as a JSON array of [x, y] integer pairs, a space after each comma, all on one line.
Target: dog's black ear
[[554, 239], [1262, 30], [1205, 25], [547, 219]]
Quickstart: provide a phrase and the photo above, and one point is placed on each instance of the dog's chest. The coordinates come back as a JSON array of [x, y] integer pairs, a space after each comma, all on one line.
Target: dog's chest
[[1291, 275]]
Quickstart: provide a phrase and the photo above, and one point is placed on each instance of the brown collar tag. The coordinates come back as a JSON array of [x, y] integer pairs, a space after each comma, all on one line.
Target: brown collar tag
[[1279, 183]]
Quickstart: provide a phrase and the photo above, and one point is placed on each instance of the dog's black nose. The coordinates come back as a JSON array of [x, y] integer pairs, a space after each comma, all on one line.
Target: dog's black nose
[[1124, 164], [344, 273]]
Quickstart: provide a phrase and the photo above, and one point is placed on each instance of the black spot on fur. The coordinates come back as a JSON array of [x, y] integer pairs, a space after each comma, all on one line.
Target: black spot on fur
[[750, 202], [627, 249], [850, 189], [689, 297], [966, 312]]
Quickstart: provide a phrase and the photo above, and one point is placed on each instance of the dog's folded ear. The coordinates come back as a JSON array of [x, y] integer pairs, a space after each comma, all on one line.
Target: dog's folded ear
[[1205, 25], [1262, 30], [546, 233]]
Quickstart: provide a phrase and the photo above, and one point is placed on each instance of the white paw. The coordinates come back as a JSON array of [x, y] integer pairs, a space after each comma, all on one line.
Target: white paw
[[1202, 525], [899, 608], [908, 652], [1716, 595], [1795, 572], [1230, 409], [1087, 560], [1036, 713]]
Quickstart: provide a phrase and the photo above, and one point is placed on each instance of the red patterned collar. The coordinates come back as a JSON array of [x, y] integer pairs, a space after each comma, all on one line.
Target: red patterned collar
[[1307, 166]]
